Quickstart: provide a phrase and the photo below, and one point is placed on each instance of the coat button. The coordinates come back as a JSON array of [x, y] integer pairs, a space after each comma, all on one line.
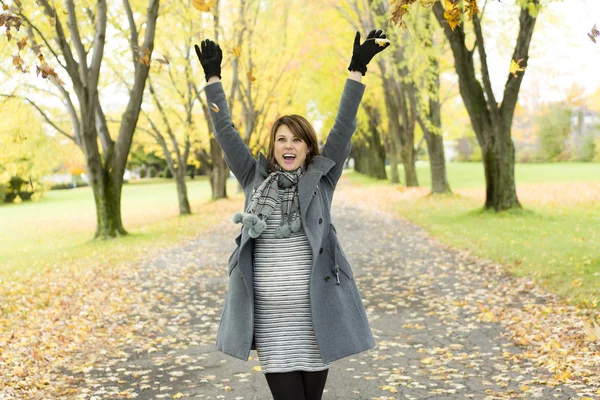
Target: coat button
[[320, 221], [320, 250]]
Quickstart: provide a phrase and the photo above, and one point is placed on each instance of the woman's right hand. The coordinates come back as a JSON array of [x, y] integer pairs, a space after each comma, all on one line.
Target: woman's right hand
[[210, 56]]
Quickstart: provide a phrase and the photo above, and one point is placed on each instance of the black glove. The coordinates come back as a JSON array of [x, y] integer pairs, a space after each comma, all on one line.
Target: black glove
[[210, 58], [363, 53]]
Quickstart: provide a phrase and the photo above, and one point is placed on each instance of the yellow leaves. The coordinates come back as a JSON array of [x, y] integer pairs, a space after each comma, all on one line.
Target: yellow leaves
[[214, 107], [382, 42], [48, 72], [389, 388], [22, 43], [400, 7], [594, 34], [202, 5], [256, 368], [486, 315], [143, 55], [237, 51], [592, 331], [178, 395], [18, 63], [516, 67], [452, 14], [471, 8]]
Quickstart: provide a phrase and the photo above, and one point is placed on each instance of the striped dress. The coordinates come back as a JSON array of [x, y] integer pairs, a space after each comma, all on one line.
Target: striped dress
[[283, 330]]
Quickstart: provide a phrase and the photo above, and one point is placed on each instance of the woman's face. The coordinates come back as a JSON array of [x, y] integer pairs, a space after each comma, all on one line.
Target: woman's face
[[286, 143]]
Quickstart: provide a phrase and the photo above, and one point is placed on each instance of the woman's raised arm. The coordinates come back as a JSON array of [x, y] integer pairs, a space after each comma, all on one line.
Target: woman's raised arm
[[338, 144], [236, 153]]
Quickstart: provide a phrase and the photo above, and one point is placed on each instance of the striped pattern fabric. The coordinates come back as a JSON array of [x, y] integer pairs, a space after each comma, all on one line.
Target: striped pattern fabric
[[283, 330]]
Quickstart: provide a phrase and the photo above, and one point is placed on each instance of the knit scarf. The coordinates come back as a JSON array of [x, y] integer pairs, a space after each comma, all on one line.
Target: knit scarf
[[264, 201]]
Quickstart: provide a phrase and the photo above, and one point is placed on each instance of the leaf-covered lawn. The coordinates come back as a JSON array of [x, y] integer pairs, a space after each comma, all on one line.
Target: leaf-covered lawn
[[554, 239], [71, 304]]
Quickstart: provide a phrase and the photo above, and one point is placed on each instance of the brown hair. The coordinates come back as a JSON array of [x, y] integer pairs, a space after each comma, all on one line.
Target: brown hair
[[300, 128]]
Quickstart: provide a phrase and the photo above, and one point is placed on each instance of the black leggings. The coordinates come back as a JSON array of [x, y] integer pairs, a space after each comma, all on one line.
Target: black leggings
[[297, 385]]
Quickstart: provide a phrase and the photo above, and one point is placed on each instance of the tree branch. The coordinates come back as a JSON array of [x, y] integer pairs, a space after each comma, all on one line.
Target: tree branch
[[513, 85], [487, 83], [76, 39], [72, 67], [99, 40], [43, 114]]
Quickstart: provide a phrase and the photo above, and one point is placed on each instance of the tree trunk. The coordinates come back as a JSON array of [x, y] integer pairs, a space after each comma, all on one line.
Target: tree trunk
[[393, 130], [375, 151], [358, 154], [408, 161], [107, 198], [499, 167], [491, 121], [437, 162], [435, 138], [392, 154], [219, 172], [182, 196]]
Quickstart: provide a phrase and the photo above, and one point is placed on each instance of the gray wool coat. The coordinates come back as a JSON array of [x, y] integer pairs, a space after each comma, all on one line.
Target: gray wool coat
[[338, 315]]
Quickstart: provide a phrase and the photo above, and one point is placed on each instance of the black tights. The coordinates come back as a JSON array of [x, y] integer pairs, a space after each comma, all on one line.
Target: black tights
[[297, 385]]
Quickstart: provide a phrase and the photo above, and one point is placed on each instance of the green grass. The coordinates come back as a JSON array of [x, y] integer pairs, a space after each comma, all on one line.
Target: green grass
[[60, 228], [470, 175], [558, 246]]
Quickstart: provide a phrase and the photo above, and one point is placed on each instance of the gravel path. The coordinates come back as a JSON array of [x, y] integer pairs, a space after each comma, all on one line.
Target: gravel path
[[430, 309]]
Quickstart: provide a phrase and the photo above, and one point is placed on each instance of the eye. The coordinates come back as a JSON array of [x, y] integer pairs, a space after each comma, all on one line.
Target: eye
[[298, 139]]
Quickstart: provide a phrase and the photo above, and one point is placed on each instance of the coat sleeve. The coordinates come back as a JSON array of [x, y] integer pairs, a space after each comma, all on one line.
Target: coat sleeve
[[338, 144], [236, 153]]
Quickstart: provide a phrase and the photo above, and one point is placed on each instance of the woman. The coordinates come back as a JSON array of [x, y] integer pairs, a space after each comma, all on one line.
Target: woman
[[291, 295]]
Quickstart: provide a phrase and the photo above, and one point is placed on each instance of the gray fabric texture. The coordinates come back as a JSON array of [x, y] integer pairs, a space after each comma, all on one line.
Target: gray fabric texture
[[339, 319]]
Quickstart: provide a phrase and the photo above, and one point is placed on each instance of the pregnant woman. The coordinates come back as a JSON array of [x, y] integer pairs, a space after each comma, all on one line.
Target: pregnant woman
[[292, 295]]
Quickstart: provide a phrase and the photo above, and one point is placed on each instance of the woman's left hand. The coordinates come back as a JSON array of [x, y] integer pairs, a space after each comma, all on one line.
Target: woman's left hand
[[363, 53]]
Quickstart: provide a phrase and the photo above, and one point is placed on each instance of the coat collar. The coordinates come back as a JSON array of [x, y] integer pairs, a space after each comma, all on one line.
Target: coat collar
[[319, 164]]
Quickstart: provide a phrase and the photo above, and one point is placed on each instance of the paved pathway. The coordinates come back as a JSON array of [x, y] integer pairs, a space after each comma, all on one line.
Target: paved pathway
[[428, 308]]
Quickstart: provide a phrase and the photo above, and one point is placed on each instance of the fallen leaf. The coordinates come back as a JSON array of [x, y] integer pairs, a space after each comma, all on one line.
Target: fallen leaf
[[202, 5], [214, 107], [594, 33], [516, 67], [237, 51], [382, 42], [163, 60], [251, 76], [592, 331]]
